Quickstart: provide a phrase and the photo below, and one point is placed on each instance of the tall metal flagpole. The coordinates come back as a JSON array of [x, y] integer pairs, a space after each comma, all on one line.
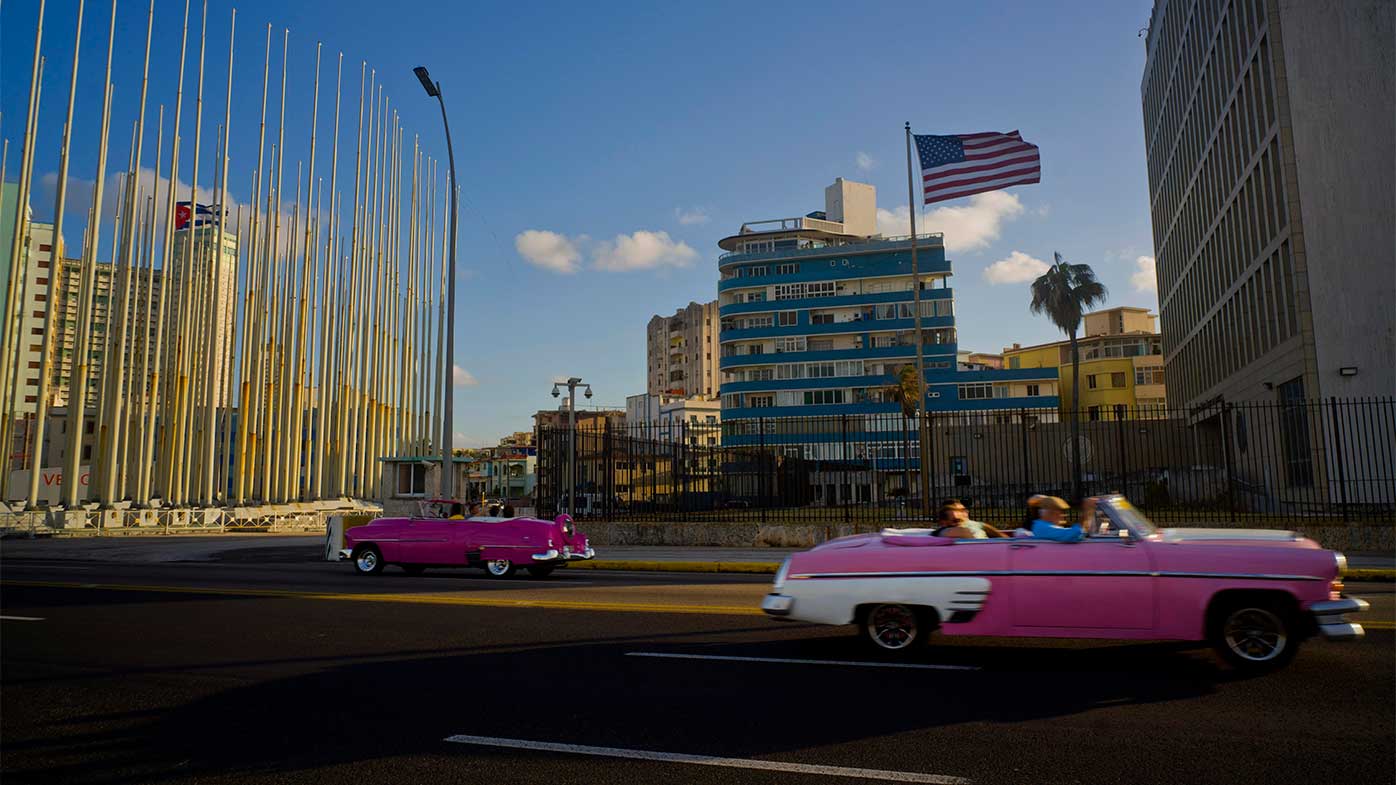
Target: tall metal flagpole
[[341, 482], [217, 331], [55, 270], [10, 328], [251, 312], [77, 383], [322, 432], [269, 418], [117, 413], [298, 346], [926, 458], [148, 470]]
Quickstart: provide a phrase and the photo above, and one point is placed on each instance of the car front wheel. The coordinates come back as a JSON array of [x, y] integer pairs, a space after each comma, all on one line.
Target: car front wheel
[[1255, 636], [368, 561], [499, 568], [894, 628]]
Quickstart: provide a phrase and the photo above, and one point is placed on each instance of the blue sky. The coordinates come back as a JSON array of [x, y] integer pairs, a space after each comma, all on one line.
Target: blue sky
[[597, 127]]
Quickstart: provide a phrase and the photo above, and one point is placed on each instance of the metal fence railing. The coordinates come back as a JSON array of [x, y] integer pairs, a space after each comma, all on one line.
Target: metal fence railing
[[1223, 464]]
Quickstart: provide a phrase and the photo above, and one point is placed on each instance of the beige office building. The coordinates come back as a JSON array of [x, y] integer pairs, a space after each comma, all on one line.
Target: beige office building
[[220, 315], [682, 353], [1269, 133]]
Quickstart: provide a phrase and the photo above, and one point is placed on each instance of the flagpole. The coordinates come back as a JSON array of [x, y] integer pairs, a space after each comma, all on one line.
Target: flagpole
[[322, 434], [912, 207]]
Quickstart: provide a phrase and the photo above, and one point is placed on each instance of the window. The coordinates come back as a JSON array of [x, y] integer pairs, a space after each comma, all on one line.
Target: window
[[788, 318], [761, 401], [787, 269], [821, 370], [848, 368], [1294, 434], [824, 345], [1148, 375], [1001, 390], [823, 397], [1117, 379], [1034, 390], [411, 479], [790, 371], [884, 341], [1093, 413], [974, 392], [1090, 381], [756, 348], [888, 311], [821, 289], [796, 344], [790, 291], [821, 318], [754, 272]]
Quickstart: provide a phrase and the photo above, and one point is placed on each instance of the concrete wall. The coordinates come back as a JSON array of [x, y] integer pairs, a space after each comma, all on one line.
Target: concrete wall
[[1340, 64]]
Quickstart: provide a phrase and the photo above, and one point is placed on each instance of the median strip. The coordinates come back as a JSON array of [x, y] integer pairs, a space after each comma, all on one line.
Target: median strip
[[412, 599]]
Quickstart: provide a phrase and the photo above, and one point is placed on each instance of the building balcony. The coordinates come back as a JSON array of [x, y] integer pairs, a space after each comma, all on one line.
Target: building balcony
[[837, 328], [855, 246], [840, 301], [937, 351]]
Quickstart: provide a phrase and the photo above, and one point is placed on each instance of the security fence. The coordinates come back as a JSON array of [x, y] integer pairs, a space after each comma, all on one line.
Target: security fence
[[1223, 464]]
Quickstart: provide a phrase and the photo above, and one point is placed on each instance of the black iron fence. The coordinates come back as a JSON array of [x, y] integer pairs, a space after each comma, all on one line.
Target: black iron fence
[[1225, 463]]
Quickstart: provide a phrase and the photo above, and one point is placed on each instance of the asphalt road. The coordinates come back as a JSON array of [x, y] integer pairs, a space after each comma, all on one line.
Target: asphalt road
[[269, 670]]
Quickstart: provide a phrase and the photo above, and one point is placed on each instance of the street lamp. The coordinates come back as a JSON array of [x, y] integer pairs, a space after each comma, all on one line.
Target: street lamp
[[447, 492], [572, 384]]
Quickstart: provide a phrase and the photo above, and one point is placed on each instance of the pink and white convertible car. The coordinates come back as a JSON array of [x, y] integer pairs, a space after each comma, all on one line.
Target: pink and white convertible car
[[1253, 594], [500, 546]]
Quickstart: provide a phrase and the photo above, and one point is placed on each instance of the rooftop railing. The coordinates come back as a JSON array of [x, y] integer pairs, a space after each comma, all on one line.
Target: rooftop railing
[[861, 245]]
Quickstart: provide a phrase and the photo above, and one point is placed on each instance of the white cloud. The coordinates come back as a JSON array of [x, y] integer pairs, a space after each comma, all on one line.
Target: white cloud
[[864, 161], [1017, 268], [642, 250], [966, 228], [1145, 277], [549, 250], [691, 216], [462, 378]]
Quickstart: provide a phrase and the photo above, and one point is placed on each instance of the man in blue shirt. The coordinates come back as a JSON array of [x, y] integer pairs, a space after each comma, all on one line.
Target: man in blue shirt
[[1051, 512]]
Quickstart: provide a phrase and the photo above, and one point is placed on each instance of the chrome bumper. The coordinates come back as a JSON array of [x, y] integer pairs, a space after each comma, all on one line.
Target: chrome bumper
[[552, 554], [777, 605], [344, 554], [1328, 616]]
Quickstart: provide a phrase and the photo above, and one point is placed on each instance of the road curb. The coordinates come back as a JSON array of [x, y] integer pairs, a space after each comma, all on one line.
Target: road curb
[[636, 565], [1370, 574]]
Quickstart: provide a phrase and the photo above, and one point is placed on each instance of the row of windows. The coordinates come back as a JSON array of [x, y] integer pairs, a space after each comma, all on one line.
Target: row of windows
[[1259, 316], [799, 343], [799, 291], [874, 423], [1148, 375], [929, 309], [762, 270], [1097, 381], [837, 369], [1228, 164], [978, 391], [1254, 220], [765, 400]]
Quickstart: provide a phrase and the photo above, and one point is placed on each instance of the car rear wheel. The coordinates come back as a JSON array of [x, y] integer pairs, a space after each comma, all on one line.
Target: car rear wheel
[[541, 570], [499, 568], [1255, 635], [368, 561], [894, 628]]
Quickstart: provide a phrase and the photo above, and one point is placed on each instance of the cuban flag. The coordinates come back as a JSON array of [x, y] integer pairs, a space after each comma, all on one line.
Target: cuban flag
[[200, 213]]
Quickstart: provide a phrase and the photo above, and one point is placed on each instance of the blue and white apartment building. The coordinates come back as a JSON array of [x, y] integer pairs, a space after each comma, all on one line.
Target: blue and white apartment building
[[816, 320]]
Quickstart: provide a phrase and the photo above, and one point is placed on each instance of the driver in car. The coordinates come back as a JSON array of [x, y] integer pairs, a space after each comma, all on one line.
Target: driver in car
[[955, 523], [1050, 520]]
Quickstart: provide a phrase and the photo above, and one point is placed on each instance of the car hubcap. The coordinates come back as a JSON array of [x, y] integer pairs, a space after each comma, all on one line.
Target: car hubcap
[[367, 561], [1255, 634], [892, 626], [499, 566]]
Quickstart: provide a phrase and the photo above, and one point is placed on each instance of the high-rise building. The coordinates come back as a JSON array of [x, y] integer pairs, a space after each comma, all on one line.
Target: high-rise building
[[1269, 138], [1121, 367], [682, 352], [817, 319], [220, 315], [31, 307]]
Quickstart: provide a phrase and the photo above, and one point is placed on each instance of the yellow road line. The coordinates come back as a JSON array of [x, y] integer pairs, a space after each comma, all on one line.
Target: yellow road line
[[1377, 625], [414, 599]]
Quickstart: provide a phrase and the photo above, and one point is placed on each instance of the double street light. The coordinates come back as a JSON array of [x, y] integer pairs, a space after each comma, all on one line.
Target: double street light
[[572, 384], [448, 373]]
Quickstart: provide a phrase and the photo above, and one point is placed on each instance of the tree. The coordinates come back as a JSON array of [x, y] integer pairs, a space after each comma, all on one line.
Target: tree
[[1064, 293], [905, 390]]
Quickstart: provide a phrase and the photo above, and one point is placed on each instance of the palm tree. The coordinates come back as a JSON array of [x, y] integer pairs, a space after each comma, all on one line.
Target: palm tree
[[905, 390], [1065, 292]]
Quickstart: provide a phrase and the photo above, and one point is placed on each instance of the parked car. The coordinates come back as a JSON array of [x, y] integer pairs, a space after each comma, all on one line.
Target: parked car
[[1253, 594], [499, 546]]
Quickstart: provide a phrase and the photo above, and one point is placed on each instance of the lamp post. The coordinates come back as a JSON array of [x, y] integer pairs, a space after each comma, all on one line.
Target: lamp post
[[434, 90], [572, 384]]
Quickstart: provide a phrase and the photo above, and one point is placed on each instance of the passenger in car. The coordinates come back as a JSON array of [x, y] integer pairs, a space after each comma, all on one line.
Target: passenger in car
[[475, 509], [1048, 525], [508, 511], [955, 523], [457, 512]]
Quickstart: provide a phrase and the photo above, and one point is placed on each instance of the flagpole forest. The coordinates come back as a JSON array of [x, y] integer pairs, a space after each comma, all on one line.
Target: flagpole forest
[[277, 373]]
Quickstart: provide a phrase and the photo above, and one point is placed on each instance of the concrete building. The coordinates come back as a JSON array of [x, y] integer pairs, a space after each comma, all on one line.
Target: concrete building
[[681, 352], [223, 313], [1121, 357], [105, 330], [817, 320], [697, 422], [31, 306], [1269, 135]]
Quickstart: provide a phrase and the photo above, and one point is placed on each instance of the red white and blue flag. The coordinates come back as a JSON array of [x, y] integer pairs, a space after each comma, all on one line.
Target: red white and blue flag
[[200, 213], [965, 164]]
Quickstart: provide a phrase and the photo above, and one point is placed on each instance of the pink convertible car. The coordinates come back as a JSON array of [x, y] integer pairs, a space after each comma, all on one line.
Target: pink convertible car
[[1253, 594], [500, 546]]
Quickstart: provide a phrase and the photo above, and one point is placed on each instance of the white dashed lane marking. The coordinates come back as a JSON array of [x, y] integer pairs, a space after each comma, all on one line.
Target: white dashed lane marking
[[791, 661], [708, 760], [22, 618]]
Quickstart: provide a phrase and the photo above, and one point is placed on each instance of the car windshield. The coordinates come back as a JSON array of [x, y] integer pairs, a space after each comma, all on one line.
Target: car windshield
[[1126, 514]]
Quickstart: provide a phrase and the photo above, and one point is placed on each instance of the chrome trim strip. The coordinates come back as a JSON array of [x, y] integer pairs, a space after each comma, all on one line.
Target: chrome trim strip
[[548, 555], [1339, 607], [1057, 573], [1344, 631]]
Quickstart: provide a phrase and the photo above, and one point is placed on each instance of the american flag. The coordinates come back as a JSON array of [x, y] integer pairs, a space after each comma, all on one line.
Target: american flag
[[965, 164]]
